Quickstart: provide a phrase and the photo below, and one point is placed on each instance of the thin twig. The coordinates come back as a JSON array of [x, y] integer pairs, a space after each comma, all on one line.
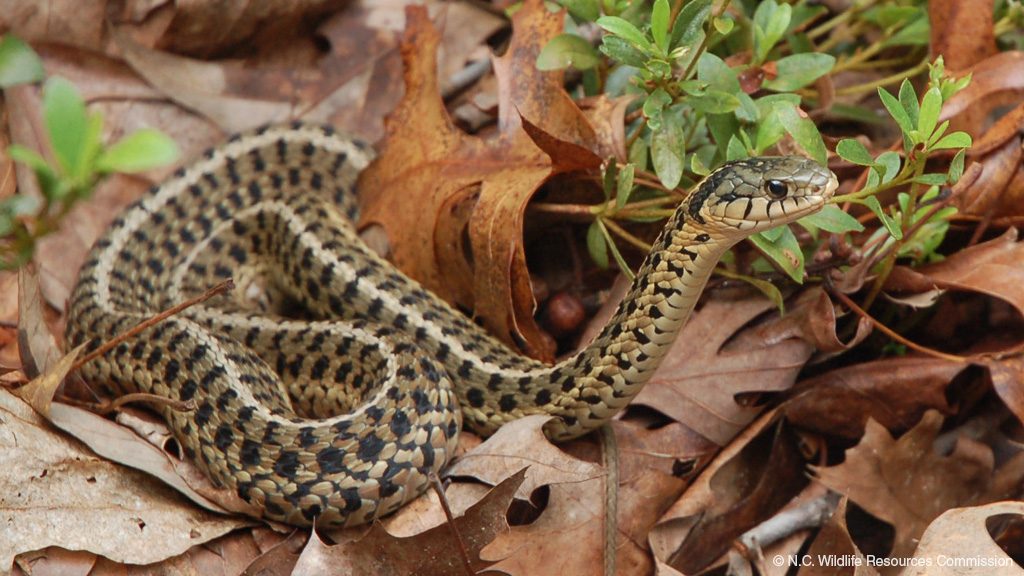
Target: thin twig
[[107, 407], [610, 461], [890, 332], [108, 346], [435, 482]]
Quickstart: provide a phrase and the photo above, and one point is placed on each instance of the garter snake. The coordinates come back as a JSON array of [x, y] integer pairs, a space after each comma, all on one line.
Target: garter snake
[[340, 414]]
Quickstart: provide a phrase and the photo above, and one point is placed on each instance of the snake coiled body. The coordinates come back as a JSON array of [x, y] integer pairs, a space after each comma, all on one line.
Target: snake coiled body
[[328, 385]]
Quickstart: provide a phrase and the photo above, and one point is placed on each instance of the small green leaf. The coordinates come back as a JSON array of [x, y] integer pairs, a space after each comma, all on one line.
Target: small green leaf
[[611, 174], [619, 260], [770, 22], [624, 185], [799, 70], [667, 152], [653, 106], [717, 74], [765, 287], [908, 100], [19, 64], [596, 245], [660, 14], [49, 182], [891, 162], [932, 179], [784, 251], [735, 149], [769, 131], [141, 150], [931, 105], [66, 123], [954, 140], [773, 234], [697, 166], [689, 27], [638, 153], [896, 110], [625, 30], [913, 34], [853, 151], [937, 134], [804, 132], [28, 157], [567, 50], [831, 218], [956, 167], [723, 24], [890, 223], [622, 51], [714, 102], [583, 10]]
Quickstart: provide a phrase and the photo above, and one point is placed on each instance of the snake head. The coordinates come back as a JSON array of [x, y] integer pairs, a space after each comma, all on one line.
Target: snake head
[[760, 193]]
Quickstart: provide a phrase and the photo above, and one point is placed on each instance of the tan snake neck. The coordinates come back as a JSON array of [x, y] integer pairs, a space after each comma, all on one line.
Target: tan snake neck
[[338, 415]]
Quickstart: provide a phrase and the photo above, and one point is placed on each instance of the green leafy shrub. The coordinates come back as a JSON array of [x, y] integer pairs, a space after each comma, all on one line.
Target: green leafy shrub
[[714, 81]]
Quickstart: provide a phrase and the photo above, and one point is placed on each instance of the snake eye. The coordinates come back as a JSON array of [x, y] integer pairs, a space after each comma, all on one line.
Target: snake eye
[[776, 188]]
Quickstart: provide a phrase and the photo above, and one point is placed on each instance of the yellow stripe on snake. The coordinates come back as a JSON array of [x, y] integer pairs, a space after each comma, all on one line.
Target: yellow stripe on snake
[[339, 413]]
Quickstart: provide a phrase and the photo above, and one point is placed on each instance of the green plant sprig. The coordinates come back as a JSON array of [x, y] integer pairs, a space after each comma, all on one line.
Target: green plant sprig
[[79, 158]]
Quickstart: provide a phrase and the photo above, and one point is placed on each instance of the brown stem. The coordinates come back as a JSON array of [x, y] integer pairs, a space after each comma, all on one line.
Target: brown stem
[[891, 333], [435, 482], [108, 346]]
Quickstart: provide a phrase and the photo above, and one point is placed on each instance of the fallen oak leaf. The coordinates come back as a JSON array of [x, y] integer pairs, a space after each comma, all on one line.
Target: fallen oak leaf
[[962, 534], [749, 481], [429, 553], [716, 355], [432, 183], [567, 538], [519, 444], [895, 392], [907, 484], [58, 494], [834, 541]]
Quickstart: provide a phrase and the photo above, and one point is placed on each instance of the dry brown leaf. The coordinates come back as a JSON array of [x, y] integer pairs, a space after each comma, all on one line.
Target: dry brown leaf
[[715, 359], [57, 494], [122, 445], [834, 542], [57, 561], [906, 483], [895, 392], [963, 534], [427, 553], [1000, 77], [995, 268], [39, 349], [961, 30], [68, 21], [429, 173], [989, 194], [519, 444], [566, 539], [200, 86], [280, 558], [749, 481]]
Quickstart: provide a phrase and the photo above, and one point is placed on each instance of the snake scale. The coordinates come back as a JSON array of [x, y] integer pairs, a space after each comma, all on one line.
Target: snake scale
[[328, 385]]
